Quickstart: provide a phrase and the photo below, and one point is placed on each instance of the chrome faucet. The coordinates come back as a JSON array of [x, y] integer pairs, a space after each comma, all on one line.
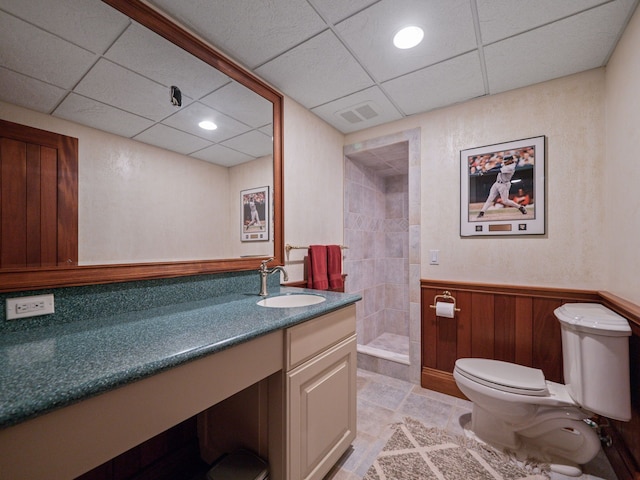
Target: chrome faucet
[[265, 272]]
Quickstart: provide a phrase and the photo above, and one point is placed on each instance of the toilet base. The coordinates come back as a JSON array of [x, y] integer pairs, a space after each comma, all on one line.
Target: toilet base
[[526, 456], [564, 441]]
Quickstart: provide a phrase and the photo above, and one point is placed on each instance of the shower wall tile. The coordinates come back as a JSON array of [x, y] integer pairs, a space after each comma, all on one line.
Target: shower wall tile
[[414, 245], [396, 297], [396, 321], [395, 245], [414, 284]]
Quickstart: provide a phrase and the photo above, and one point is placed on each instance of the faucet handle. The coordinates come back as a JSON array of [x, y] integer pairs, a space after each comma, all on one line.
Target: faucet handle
[[263, 264]]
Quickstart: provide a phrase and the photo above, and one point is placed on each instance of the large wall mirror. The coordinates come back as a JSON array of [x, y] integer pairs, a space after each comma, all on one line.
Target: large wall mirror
[[158, 195]]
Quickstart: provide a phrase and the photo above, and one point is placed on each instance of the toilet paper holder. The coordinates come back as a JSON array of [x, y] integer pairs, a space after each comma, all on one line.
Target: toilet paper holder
[[446, 296]]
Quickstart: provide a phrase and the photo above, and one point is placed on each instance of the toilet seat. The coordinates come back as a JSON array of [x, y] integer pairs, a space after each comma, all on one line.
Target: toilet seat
[[504, 376]]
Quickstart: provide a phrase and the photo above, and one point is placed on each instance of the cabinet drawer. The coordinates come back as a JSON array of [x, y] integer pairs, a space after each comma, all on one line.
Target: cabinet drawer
[[310, 338]]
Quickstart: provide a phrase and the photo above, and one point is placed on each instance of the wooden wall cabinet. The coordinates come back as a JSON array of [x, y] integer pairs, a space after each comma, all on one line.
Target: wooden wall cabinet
[[321, 393]]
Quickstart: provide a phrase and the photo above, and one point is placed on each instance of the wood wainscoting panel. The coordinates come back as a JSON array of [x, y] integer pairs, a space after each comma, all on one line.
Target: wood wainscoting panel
[[546, 341], [517, 324], [523, 331]]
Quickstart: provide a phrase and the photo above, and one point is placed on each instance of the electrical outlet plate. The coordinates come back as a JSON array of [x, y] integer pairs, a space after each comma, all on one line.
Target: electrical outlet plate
[[24, 307]]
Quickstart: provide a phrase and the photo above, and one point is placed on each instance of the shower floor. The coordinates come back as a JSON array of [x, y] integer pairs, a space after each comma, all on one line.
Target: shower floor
[[389, 346]]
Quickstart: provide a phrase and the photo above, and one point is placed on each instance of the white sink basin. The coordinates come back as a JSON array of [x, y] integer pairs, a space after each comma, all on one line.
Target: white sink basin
[[291, 300]]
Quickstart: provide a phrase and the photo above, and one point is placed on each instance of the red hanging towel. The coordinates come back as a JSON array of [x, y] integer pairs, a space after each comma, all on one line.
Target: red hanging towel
[[334, 267], [317, 269]]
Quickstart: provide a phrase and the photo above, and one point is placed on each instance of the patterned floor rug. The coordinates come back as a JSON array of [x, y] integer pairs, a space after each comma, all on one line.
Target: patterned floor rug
[[415, 452]]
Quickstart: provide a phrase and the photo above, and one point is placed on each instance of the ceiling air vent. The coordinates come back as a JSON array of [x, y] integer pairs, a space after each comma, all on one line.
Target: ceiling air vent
[[359, 113]]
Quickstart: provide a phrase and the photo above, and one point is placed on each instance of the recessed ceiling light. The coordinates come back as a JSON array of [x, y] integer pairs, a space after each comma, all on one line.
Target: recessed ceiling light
[[408, 37], [207, 125]]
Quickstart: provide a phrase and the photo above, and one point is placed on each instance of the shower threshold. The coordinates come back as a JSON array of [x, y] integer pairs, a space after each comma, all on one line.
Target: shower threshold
[[388, 346]]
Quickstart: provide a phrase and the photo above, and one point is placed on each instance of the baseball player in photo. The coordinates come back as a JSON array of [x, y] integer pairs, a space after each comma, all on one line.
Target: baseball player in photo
[[502, 186]]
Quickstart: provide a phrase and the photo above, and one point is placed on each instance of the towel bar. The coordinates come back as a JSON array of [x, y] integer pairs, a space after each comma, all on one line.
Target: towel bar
[[288, 247]]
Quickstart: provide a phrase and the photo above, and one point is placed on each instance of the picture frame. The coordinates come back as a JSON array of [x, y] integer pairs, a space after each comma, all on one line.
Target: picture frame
[[498, 198], [255, 206]]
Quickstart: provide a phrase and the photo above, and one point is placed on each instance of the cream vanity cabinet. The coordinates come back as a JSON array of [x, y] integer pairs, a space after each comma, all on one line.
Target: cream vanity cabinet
[[320, 364]]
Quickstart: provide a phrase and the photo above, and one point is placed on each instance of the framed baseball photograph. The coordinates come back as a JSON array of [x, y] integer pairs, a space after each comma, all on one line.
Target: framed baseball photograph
[[502, 189], [255, 208]]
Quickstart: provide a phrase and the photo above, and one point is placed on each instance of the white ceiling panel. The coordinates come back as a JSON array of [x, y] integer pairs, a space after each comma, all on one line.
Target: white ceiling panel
[[240, 103], [252, 143], [337, 10], [221, 155], [28, 92], [115, 85], [29, 50], [334, 57], [98, 115], [501, 19], [308, 72], [152, 56], [252, 31], [351, 113], [90, 24], [443, 84], [572, 45], [172, 139], [448, 27], [188, 118]]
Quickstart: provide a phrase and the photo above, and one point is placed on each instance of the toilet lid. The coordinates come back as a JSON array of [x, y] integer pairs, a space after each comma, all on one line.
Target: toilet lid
[[504, 376]]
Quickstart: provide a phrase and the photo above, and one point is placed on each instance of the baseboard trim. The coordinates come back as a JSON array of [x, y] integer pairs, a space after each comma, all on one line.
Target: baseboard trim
[[440, 381]]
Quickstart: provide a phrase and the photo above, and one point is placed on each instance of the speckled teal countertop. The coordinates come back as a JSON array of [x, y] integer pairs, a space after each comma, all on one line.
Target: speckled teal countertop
[[56, 365]]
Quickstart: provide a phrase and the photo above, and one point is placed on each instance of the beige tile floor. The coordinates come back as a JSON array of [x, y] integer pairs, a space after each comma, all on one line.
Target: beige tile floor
[[383, 401]]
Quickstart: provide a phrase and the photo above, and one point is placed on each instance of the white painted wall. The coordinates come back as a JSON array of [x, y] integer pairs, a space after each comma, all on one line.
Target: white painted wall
[[313, 185], [139, 203], [620, 168], [249, 175], [570, 112]]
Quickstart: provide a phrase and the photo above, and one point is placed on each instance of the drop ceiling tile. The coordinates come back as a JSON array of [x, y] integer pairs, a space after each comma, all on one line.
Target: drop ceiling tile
[[500, 19], [94, 114], [222, 156], [91, 24], [238, 102], [29, 50], [317, 71], [338, 112], [446, 83], [448, 27], [153, 57], [188, 118], [562, 48], [250, 32], [124, 89], [172, 139], [252, 143], [267, 130], [28, 92], [337, 10]]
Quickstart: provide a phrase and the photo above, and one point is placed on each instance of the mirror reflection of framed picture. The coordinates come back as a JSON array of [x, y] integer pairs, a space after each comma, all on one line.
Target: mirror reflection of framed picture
[[502, 189], [255, 214]]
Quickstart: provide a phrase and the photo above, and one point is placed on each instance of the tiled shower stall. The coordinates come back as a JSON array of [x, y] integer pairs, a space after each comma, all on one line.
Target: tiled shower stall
[[382, 262]]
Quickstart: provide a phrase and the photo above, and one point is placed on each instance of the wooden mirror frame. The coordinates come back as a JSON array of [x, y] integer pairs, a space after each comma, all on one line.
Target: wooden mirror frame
[[37, 278]]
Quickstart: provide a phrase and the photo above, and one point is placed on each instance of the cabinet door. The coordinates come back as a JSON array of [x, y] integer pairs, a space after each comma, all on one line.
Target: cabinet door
[[322, 411], [38, 197]]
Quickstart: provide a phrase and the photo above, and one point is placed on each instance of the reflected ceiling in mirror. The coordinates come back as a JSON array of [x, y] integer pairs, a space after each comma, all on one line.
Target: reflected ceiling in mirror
[[95, 66], [113, 69]]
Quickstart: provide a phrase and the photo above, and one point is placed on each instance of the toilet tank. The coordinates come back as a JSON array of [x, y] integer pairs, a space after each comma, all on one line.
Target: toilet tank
[[595, 353]]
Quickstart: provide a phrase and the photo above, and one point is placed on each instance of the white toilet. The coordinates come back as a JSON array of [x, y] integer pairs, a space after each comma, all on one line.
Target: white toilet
[[514, 407]]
